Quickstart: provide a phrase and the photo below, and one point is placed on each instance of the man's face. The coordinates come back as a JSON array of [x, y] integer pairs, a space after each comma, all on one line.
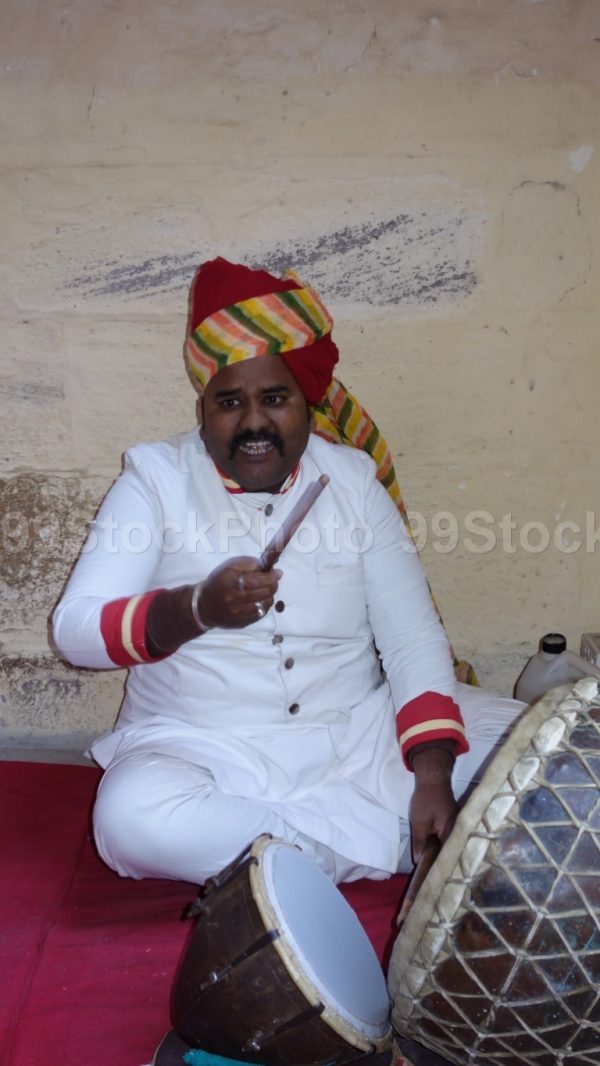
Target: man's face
[[255, 422]]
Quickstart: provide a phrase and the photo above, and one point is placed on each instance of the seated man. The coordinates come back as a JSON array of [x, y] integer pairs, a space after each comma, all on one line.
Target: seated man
[[317, 700]]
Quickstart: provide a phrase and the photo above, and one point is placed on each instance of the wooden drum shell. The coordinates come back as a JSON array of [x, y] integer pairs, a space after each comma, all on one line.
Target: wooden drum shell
[[235, 1017]]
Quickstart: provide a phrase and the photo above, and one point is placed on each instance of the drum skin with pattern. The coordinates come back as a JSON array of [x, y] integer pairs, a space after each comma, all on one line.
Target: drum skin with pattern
[[498, 961]]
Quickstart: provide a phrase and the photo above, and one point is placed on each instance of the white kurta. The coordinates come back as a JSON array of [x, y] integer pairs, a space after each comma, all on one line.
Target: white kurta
[[293, 711]]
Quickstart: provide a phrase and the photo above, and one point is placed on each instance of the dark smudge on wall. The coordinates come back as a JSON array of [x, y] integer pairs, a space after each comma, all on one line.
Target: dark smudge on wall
[[407, 259]]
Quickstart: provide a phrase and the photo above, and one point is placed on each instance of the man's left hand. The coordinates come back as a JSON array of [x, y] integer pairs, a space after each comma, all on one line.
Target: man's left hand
[[433, 809]]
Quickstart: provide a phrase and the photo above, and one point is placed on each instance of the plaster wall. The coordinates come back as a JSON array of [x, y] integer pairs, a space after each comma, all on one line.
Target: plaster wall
[[432, 168]]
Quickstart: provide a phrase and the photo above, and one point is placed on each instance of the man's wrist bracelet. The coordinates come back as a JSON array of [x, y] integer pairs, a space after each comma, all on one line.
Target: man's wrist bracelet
[[196, 593]]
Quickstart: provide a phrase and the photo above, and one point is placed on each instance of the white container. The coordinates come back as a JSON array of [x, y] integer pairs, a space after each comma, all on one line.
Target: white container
[[552, 665]]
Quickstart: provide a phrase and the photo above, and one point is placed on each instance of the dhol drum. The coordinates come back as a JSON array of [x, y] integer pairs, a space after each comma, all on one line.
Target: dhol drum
[[279, 970], [498, 961]]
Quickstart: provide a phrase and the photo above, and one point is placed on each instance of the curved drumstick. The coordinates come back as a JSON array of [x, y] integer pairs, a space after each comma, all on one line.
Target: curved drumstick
[[430, 854], [290, 524]]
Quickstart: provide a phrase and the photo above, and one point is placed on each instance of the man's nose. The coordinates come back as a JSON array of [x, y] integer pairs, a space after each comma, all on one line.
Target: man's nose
[[255, 417]]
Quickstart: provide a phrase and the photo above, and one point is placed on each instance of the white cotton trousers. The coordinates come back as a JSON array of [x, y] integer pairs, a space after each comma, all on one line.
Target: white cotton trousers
[[159, 815]]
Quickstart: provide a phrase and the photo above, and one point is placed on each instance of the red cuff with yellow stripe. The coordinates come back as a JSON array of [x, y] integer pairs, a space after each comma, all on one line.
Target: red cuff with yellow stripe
[[123, 628], [430, 717]]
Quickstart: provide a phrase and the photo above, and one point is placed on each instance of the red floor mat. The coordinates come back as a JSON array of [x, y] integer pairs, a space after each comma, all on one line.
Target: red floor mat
[[88, 958]]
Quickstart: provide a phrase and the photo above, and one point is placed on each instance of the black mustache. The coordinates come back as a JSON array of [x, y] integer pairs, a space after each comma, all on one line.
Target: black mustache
[[262, 437]]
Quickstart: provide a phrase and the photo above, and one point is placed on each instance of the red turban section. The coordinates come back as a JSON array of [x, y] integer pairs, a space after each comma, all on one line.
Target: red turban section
[[219, 284]]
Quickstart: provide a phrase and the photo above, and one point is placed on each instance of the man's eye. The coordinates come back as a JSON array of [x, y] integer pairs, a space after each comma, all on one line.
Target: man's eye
[[274, 399], [230, 401]]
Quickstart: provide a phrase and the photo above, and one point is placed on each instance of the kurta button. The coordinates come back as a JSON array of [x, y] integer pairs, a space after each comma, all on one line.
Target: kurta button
[[288, 664], [294, 708], [280, 606], [269, 509], [277, 639]]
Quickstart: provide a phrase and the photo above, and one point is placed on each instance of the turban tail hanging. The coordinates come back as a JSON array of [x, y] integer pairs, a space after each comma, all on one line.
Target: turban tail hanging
[[340, 418], [237, 313]]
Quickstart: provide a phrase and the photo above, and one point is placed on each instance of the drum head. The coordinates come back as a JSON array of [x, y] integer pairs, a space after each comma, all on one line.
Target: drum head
[[322, 941], [498, 961]]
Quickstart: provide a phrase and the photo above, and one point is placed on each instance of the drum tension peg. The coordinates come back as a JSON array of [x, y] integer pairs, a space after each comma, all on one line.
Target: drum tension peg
[[253, 1044], [215, 884], [259, 1038], [238, 864], [192, 910], [213, 977]]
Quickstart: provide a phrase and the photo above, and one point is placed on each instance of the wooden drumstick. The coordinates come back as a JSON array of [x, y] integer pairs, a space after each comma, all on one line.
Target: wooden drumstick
[[430, 854], [290, 524]]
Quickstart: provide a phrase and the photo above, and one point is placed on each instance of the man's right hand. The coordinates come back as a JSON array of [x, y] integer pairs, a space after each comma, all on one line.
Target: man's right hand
[[234, 595], [237, 593]]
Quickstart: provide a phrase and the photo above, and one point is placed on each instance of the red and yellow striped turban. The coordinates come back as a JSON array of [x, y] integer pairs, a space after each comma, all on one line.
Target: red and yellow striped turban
[[237, 313]]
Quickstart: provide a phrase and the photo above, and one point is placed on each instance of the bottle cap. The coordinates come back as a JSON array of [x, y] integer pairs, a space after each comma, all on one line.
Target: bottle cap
[[554, 643]]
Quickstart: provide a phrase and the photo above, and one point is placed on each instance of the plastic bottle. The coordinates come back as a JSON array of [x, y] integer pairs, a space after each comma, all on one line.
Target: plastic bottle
[[552, 665]]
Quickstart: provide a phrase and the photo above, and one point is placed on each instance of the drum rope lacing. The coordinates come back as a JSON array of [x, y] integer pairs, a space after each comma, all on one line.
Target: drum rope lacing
[[507, 968]]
